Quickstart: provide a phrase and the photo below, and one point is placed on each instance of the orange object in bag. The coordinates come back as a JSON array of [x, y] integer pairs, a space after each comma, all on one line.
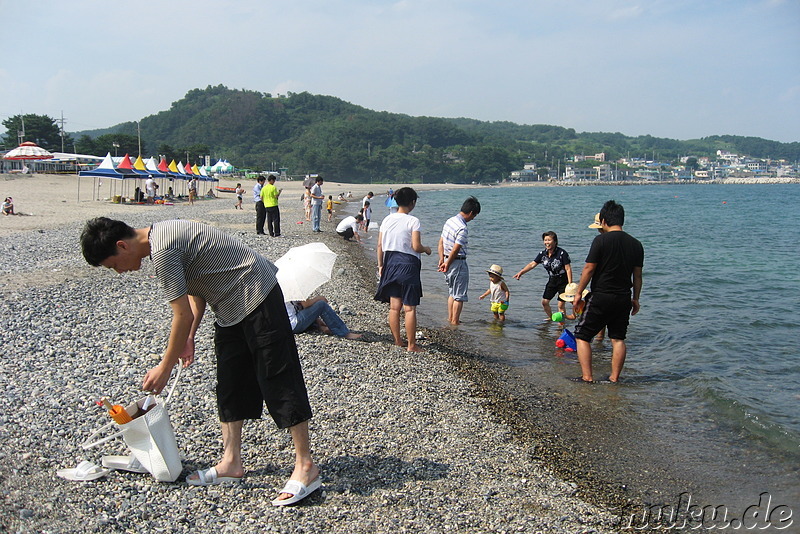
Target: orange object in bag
[[117, 412]]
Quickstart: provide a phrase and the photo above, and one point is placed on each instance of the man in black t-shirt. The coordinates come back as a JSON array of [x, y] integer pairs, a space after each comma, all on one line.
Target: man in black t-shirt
[[614, 267]]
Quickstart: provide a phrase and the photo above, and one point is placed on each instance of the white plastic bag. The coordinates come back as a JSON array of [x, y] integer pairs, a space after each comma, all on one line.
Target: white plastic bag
[[150, 437]]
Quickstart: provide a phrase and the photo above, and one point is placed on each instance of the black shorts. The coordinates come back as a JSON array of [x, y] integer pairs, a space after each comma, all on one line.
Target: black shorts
[[257, 362], [605, 310], [348, 233], [555, 284]]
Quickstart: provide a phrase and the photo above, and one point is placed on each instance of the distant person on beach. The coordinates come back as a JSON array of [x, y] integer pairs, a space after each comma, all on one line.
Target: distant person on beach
[[257, 360], [8, 206], [239, 193], [367, 214], [614, 268], [269, 196], [498, 291], [304, 313], [317, 196], [261, 211], [150, 189], [192, 190], [453, 258], [367, 198], [329, 207], [556, 262], [307, 203], [348, 227], [399, 266]]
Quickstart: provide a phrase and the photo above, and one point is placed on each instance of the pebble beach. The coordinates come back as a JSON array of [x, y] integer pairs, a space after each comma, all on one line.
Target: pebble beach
[[404, 442]]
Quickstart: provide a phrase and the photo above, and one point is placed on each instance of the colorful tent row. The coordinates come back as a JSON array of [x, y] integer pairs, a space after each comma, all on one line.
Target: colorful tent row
[[144, 169]]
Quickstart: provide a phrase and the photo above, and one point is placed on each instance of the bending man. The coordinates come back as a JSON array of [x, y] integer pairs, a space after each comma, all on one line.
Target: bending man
[[257, 359]]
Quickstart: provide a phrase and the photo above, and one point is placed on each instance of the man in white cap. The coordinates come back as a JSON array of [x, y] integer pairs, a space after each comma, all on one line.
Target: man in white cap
[[614, 267]]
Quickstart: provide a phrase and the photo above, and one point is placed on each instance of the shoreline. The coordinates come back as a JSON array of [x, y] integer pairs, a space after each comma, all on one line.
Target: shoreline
[[403, 441], [52, 199]]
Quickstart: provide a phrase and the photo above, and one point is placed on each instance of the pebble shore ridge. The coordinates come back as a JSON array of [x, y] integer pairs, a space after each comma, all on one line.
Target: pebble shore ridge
[[404, 442]]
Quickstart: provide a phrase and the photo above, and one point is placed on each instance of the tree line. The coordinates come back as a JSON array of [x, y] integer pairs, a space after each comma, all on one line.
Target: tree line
[[322, 134]]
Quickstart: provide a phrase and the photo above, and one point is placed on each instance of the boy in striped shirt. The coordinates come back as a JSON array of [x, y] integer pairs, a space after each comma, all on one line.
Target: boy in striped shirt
[[453, 257]]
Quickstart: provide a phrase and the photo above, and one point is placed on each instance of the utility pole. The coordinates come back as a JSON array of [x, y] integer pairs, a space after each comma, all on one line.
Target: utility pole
[[62, 121], [21, 133], [139, 134]]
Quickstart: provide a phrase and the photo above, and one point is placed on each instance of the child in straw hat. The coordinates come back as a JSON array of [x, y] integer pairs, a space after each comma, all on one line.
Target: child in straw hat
[[499, 292]]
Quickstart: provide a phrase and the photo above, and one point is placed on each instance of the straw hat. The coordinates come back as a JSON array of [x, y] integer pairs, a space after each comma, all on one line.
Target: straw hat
[[596, 223], [569, 292], [496, 270]]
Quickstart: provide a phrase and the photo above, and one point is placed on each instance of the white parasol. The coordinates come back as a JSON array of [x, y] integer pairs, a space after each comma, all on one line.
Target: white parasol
[[28, 151], [303, 269]]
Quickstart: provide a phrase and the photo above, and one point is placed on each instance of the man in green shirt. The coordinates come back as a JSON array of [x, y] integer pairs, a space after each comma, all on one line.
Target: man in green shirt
[[269, 195]]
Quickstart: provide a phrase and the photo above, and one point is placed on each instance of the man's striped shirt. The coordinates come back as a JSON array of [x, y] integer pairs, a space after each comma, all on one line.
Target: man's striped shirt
[[192, 258]]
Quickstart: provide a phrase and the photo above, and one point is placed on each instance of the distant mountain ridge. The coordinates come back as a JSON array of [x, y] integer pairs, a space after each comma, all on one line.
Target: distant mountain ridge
[[316, 133]]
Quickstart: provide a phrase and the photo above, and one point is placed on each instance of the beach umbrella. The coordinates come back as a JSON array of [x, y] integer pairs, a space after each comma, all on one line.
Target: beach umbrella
[[28, 151], [303, 269]]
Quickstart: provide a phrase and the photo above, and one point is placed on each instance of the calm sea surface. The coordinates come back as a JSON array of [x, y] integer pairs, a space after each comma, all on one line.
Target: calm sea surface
[[713, 368]]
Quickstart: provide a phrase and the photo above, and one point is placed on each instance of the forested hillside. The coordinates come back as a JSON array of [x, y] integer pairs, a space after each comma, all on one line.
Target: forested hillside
[[311, 133]]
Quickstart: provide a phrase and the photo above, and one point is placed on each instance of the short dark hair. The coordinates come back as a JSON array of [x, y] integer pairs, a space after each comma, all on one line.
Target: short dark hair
[[359, 217], [99, 238], [271, 177], [319, 179], [612, 213], [366, 203], [405, 196], [261, 179], [471, 205], [551, 234]]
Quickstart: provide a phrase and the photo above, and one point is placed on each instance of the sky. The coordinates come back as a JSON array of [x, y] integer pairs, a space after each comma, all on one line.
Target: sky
[[681, 69]]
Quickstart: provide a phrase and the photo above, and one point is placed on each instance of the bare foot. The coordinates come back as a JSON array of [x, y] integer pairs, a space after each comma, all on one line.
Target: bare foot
[[415, 348], [351, 335]]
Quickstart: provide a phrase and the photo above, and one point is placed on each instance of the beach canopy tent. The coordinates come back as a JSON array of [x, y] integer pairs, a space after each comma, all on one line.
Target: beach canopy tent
[[222, 166], [152, 167], [149, 167], [106, 169], [28, 151], [126, 165]]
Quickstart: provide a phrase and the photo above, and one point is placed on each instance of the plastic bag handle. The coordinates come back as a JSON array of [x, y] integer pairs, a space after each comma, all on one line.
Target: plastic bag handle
[[174, 383], [88, 444]]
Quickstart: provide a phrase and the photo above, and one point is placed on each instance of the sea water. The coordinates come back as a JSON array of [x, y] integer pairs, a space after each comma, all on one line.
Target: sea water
[[713, 367]]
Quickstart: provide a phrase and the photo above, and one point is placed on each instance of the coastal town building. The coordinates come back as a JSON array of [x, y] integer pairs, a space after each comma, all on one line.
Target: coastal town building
[[726, 166]]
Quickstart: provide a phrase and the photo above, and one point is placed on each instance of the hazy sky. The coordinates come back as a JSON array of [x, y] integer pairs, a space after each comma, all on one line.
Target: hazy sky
[[670, 68]]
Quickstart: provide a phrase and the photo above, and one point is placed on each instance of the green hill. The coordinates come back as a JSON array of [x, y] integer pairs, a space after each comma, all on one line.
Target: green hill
[[312, 133]]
